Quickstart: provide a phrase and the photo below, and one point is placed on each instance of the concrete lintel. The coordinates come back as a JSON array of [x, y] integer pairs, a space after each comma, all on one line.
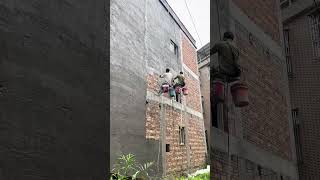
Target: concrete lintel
[[242, 18], [246, 150], [205, 62], [152, 96]]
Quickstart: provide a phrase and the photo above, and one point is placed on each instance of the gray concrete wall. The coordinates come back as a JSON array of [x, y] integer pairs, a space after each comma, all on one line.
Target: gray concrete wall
[[160, 30], [140, 37], [53, 90], [127, 76]]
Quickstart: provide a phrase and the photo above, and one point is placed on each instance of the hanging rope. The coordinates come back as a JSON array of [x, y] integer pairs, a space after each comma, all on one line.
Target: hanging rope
[[161, 129], [225, 108]]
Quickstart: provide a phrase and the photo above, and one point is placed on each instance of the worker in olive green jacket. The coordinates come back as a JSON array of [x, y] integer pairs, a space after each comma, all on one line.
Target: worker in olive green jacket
[[228, 58]]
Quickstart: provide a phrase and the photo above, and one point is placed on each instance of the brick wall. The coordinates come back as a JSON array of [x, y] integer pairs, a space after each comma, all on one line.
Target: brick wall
[[240, 167], [193, 98], [153, 121], [189, 55], [265, 120], [264, 14], [196, 140], [152, 83], [304, 93], [219, 167], [177, 158]]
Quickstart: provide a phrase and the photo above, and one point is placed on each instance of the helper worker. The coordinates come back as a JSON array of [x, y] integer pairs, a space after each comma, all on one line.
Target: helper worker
[[179, 83]]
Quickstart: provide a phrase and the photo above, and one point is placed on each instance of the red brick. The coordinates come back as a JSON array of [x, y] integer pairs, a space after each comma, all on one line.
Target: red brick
[[189, 55]]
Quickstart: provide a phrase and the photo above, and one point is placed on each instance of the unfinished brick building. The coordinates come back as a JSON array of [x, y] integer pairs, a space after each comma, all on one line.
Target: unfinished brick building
[[257, 141], [146, 38], [301, 21]]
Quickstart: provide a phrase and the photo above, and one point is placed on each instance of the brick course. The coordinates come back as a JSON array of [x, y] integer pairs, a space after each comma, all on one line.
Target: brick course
[[265, 120], [177, 158], [304, 93], [152, 83], [193, 98], [189, 55], [264, 14], [153, 121]]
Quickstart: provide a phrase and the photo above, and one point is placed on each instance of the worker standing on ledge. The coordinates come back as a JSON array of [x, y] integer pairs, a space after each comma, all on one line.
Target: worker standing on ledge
[[179, 83], [228, 57], [167, 76]]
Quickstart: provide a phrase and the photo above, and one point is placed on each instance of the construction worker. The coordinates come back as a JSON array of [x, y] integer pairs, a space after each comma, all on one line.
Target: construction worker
[[179, 80], [228, 57], [167, 76], [228, 70], [179, 83]]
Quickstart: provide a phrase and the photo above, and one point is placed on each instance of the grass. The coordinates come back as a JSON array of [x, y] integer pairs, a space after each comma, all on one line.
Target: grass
[[205, 176]]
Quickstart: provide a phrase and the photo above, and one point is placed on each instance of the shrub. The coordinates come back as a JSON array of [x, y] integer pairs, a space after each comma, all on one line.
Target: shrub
[[126, 168]]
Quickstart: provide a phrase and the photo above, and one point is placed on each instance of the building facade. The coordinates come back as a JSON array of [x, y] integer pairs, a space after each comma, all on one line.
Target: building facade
[[301, 21], [204, 73], [256, 141], [146, 38]]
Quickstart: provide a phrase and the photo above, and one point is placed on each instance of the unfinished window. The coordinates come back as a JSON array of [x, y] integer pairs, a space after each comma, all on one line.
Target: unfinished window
[[286, 41], [202, 102], [287, 51], [167, 147], [174, 48], [315, 33], [296, 128], [259, 170], [182, 136]]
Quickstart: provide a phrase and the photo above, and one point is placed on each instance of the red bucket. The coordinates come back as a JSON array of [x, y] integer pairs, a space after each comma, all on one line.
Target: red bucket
[[218, 90], [165, 88], [239, 93], [178, 90], [185, 91]]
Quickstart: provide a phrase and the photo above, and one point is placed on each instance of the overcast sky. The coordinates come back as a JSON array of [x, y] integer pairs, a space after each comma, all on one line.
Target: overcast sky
[[200, 11]]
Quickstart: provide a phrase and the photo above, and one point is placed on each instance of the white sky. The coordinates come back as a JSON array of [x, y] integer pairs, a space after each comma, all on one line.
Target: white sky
[[200, 11]]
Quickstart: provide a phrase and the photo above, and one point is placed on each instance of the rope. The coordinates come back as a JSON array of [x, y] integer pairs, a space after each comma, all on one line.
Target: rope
[[218, 13], [160, 137], [193, 22], [225, 94], [182, 107], [227, 119]]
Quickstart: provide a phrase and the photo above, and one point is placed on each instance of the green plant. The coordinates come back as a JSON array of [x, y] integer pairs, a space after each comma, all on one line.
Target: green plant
[[205, 176], [126, 167]]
